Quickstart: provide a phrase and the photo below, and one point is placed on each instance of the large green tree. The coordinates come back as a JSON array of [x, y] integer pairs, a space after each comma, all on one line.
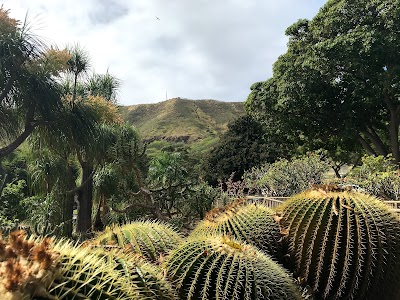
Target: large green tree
[[246, 144], [339, 79]]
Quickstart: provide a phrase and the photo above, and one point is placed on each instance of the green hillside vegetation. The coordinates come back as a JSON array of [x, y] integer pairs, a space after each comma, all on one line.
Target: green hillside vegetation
[[182, 121]]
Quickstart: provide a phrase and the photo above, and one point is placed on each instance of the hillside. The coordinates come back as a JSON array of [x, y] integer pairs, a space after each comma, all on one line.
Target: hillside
[[195, 122]]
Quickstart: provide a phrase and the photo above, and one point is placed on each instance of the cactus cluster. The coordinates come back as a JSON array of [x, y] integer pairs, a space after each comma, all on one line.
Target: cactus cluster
[[149, 239], [251, 223], [338, 245], [344, 245], [44, 269], [40, 269], [219, 267]]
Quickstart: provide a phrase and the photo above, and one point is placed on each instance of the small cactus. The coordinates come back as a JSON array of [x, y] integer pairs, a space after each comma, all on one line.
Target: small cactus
[[343, 244], [218, 267], [149, 239], [251, 223]]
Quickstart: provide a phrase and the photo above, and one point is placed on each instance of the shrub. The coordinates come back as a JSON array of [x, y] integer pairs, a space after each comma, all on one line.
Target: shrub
[[377, 176], [286, 177], [11, 201]]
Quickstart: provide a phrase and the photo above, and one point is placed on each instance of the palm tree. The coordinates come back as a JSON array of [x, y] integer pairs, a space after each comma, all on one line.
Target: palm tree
[[29, 92], [49, 208], [78, 64], [75, 130], [120, 176], [103, 88], [104, 85]]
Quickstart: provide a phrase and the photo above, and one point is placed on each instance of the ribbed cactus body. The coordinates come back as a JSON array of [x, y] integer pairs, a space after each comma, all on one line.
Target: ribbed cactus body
[[251, 223], [149, 239], [82, 274], [217, 267], [39, 269], [147, 279], [344, 245]]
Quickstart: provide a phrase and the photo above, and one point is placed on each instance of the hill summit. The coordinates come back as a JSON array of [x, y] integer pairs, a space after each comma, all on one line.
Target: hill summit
[[182, 120]]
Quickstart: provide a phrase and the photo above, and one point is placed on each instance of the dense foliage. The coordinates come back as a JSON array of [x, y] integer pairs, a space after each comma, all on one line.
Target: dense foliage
[[338, 80], [286, 177], [246, 144], [377, 176]]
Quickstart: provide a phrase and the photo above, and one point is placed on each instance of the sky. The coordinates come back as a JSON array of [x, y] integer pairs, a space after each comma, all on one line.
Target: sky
[[159, 49]]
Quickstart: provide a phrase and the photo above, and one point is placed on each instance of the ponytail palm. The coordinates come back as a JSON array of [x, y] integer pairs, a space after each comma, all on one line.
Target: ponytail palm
[[77, 135], [29, 92], [120, 176]]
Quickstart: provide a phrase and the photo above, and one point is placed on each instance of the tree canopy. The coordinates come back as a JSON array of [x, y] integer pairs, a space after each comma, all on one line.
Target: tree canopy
[[29, 91], [247, 143], [339, 79]]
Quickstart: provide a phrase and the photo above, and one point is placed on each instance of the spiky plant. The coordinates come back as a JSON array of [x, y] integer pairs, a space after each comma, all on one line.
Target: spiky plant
[[82, 274], [149, 239], [40, 269], [343, 244], [147, 279], [26, 267], [218, 267], [251, 223]]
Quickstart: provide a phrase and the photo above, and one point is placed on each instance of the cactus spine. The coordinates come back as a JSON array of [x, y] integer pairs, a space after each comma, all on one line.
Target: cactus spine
[[218, 267], [149, 239], [147, 279], [82, 274], [42, 270], [344, 245], [251, 223], [26, 267]]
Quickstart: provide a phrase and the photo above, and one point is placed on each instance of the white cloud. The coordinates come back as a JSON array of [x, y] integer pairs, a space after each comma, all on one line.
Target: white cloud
[[198, 49]]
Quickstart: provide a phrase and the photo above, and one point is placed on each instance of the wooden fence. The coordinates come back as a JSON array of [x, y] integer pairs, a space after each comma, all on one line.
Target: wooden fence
[[272, 202], [394, 206]]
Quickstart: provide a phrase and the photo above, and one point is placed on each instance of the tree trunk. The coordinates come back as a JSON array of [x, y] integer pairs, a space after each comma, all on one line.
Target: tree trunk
[[394, 112], [336, 169], [98, 222], [74, 90], [380, 147], [85, 199], [365, 145], [394, 135], [68, 205], [17, 142]]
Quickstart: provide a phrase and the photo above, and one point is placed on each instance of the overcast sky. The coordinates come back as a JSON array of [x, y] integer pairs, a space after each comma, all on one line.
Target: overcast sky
[[196, 49]]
